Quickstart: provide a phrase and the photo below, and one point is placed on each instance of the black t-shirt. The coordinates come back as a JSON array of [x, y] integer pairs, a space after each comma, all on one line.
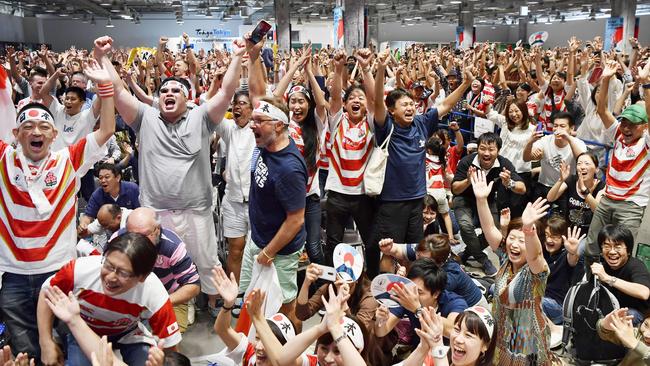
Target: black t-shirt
[[503, 195], [561, 276], [633, 271], [576, 210]]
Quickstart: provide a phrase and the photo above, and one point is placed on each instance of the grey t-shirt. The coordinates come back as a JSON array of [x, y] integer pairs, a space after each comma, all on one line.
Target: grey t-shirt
[[174, 159]]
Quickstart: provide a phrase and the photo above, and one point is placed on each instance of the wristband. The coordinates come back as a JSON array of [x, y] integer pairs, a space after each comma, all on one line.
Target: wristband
[[227, 308], [646, 86], [105, 90], [439, 352], [612, 281]]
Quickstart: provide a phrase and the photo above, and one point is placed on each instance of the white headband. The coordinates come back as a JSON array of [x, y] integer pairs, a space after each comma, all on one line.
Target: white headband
[[176, 84], [485, 317], [284, 324], [272, 111], [353, 331], [35, 114]]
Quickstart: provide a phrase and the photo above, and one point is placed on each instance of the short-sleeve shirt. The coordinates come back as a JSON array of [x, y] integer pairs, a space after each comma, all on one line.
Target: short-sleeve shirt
[[405, 170], [577, 210], [127, 198], [34, 243], [244, 354], [71, 128], [633, 271], [553, 157], [561, 275], [174, 159], [278, 186], [123, 313]]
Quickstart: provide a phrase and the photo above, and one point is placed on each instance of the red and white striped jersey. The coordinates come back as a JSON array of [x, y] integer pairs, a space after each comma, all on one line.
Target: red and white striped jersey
[[557, 104], [31, 242], [110, 315], [628, 176], [325, 150], [351, 148], [295, 132], [435, 174]]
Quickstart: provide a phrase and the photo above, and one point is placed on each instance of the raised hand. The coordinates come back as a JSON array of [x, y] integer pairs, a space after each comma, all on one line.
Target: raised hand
[[186, 39], [534, 212], [617, 313], [96, 73], [479, 184], [255, 303], [574, 44], [340, 58], [504, 218], [610, 68], [643, 74], [103, 45], [432, 327], [565, 171], [407, 296], [505, 177], [11, 51], [64, 307], [624, 331], [226, 286], [238, 47], [162, 42], [333, 311], [381, 315], [572, 240], [364, 56]]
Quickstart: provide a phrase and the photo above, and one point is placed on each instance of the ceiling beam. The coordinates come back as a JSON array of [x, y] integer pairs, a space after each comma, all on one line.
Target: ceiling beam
[[93, 7]]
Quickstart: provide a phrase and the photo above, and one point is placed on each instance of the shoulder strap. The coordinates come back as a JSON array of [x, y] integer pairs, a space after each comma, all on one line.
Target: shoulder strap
[[384, 145]]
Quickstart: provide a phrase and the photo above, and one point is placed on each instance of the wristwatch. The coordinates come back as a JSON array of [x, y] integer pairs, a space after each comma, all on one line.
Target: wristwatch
[[439, 352], [511, 185], [585, 192]]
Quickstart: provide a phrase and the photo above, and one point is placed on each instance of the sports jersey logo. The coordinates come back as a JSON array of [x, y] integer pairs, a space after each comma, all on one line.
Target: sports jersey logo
[[354, 138], [172, 328], [50, 179], [261, 173]]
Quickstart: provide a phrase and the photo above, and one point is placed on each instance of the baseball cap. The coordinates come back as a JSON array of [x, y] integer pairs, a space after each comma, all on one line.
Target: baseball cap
[[635, 114]]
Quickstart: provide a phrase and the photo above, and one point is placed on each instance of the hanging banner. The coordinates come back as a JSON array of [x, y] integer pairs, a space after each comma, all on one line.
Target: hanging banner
[[636, 27], [614, 34], [460, 36], [338, 27]]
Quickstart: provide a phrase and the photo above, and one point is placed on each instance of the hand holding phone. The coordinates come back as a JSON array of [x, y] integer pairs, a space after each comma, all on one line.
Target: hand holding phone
[[260, 31], [327, 273]]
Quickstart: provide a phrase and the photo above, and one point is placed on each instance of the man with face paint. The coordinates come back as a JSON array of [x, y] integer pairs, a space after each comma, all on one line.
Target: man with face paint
[[174, 158], [37, 229]]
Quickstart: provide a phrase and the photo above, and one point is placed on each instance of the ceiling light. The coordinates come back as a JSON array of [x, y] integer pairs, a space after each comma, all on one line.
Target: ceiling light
[[109, 23], [563, 19], [92, 20], [455, 2], [535, 20], [323, 14], [226, 16], [257, 6], [177, 3], [416, 5], [403, 23], [548, 20], [208, 13], [299, 21], [63, 14], [243, 13], [105, 3], [439, 3]]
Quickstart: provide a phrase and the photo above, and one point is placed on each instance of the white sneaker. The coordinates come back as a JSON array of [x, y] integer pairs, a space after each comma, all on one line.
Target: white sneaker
[[191, 312]]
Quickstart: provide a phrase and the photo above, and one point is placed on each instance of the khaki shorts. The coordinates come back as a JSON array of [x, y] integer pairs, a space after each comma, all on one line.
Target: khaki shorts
[[285, 265], [181, 316]]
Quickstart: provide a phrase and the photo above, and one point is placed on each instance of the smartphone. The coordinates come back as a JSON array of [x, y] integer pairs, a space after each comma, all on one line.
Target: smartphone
[[327, 273], [540, 127], [260, 31]]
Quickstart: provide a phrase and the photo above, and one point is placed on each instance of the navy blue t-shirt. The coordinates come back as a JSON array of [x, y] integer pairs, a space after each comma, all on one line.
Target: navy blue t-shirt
[[405, 171], [128, 198], [278, 186]]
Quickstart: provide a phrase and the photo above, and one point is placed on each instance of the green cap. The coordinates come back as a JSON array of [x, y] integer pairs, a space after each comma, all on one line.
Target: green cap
[[635, 114]]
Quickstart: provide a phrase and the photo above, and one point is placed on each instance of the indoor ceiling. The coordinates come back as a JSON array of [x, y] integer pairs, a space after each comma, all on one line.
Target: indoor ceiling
[[442, 11]]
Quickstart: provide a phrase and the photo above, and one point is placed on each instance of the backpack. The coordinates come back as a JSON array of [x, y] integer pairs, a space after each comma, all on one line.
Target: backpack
[[586, 303]]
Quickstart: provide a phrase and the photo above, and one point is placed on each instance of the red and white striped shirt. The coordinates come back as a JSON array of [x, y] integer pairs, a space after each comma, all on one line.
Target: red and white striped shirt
[[34, 243], [295, 132], [435, 174], [351, 148], [111, 315], [628, 176], [550, 105]]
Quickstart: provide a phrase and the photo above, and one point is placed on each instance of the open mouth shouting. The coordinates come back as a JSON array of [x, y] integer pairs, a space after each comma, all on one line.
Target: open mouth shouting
[[169, 103]]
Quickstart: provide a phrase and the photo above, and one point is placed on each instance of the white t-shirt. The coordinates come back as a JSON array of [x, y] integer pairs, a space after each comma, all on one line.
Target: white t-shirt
[[71, 128], [553, 156]]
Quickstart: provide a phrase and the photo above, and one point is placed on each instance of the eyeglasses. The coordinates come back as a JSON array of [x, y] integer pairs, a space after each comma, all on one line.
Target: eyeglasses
[[260, 122], [617, 247], [120, 273]]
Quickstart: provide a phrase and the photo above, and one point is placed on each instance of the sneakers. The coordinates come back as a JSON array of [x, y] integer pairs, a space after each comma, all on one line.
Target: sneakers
[[489, 268]]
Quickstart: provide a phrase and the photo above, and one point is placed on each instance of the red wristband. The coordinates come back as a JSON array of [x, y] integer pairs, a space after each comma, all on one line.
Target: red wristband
[[105, 90]]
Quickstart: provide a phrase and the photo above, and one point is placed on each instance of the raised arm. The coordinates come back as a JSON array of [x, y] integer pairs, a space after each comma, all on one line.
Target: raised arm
[[218, 104], [532, 214], [364, 57], [379, 106], [481, 192], [644, 79], [603, 97], [102, 79], [228, 289], [137, 90], [453, 98], [286, 79], [560, 186], [336, 99], [256, 78], [125, 102], [160, 61], [316, 91]]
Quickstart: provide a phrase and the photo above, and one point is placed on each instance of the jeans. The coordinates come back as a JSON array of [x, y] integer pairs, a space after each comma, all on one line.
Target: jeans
[[340, 207], [134, 354], [465, 214], [552, 309], [18, 301], [312, 226]]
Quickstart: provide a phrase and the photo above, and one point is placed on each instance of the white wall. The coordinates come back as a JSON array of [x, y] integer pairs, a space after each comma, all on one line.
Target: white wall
[[315, 31], [17, 29], [62, 33]]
